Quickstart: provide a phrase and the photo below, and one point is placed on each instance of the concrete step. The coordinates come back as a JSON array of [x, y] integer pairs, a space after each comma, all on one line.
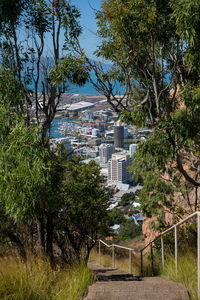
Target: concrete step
[[114, 284]]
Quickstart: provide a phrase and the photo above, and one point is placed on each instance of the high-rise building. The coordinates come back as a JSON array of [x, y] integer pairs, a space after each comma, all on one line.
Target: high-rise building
[[105, 152], [126, 134], [119, 136], [118, 168], [133, 148]]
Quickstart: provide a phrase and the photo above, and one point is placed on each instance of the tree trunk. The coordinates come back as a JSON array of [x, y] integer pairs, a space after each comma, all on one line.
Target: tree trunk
[[49, 230], [17, 242], [41, 233]]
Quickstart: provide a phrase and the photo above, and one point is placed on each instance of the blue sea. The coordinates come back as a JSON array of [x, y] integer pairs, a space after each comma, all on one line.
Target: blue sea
[[87, 89]]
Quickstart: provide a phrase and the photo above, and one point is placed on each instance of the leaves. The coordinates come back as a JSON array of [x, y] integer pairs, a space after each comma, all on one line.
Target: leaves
[[69, 69], [23, 170]]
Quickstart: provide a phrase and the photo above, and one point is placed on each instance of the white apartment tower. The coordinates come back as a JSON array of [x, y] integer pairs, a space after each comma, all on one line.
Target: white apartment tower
[[105, 152], [133, 148], [118, 168]]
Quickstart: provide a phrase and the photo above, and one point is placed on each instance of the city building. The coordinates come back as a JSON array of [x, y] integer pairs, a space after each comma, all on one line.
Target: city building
[[118, 169], [65, 141], [101, 125], [126, 134], [88, 131], [105, 152], [79, 106], [89, 115], [119, 136], [104, 117], [133, 148], [95, 132]]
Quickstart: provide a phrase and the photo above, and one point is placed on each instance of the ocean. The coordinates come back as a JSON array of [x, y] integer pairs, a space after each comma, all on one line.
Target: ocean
[[87, 89]]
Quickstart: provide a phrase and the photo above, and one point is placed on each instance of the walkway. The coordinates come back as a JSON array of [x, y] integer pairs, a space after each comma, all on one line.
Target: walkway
[[113, 284]]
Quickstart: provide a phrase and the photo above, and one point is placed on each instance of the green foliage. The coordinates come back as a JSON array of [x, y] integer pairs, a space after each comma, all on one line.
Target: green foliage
[[11, 11], [70, 69], [155, 45], [86, 200], [186, 16], [115, 216], [12, 91], [23, 171], [126, 199], [129, 230], [35, 184]]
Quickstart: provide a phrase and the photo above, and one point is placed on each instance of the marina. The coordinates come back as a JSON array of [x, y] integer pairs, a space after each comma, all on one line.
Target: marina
[[62, 127]]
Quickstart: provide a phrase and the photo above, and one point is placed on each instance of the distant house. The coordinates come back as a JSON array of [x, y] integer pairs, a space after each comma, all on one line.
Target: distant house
[[115, 228], [137, 218]]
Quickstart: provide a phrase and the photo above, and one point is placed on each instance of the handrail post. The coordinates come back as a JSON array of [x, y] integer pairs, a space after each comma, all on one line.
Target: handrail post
[[130, 261], [176, 248], [162, 250], [99, 252], [198, 252], [141, 263], [152, 267], [113, 256]]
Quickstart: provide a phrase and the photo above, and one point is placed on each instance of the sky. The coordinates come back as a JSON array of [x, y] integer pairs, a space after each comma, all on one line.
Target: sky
[[88, 39]]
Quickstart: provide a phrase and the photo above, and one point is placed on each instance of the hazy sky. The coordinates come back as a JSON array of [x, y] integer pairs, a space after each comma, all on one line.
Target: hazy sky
[[88, 38]]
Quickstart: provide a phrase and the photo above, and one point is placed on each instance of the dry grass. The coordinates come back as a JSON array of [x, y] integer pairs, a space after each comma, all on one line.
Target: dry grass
[[37, 281], [122, 257], [187, 272], [121, 260]]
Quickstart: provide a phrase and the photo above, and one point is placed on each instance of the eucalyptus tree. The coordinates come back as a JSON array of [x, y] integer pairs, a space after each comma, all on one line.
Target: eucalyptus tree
[[83, 216], [34, 40], [30, 173], [154, 49]]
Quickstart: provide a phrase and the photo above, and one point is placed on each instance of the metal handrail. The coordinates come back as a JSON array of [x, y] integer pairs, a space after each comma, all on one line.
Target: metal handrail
[[117, 246], [113, 246], [172, 227]]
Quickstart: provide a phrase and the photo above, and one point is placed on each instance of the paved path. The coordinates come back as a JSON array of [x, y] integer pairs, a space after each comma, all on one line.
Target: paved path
[[113, 284]]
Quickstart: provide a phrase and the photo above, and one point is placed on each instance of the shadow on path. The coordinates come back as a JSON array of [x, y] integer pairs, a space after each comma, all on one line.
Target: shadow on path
[[109, 274]]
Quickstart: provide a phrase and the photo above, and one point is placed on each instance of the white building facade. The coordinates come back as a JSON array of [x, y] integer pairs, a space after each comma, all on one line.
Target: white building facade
[[133, 148], [118, 169]]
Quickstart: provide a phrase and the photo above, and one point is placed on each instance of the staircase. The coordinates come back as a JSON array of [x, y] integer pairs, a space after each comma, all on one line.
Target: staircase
[[114, 284]]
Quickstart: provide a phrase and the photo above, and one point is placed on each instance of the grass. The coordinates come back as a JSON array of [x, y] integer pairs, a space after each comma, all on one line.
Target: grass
[[187, 272], [122, 261], [37, 281], [121, 256]]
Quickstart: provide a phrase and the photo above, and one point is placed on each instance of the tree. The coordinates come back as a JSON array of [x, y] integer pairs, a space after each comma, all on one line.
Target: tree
[[154, 46], [83, 215], [115, 216], [43, 23], [45, 198], [126, 199], [129, 230]]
